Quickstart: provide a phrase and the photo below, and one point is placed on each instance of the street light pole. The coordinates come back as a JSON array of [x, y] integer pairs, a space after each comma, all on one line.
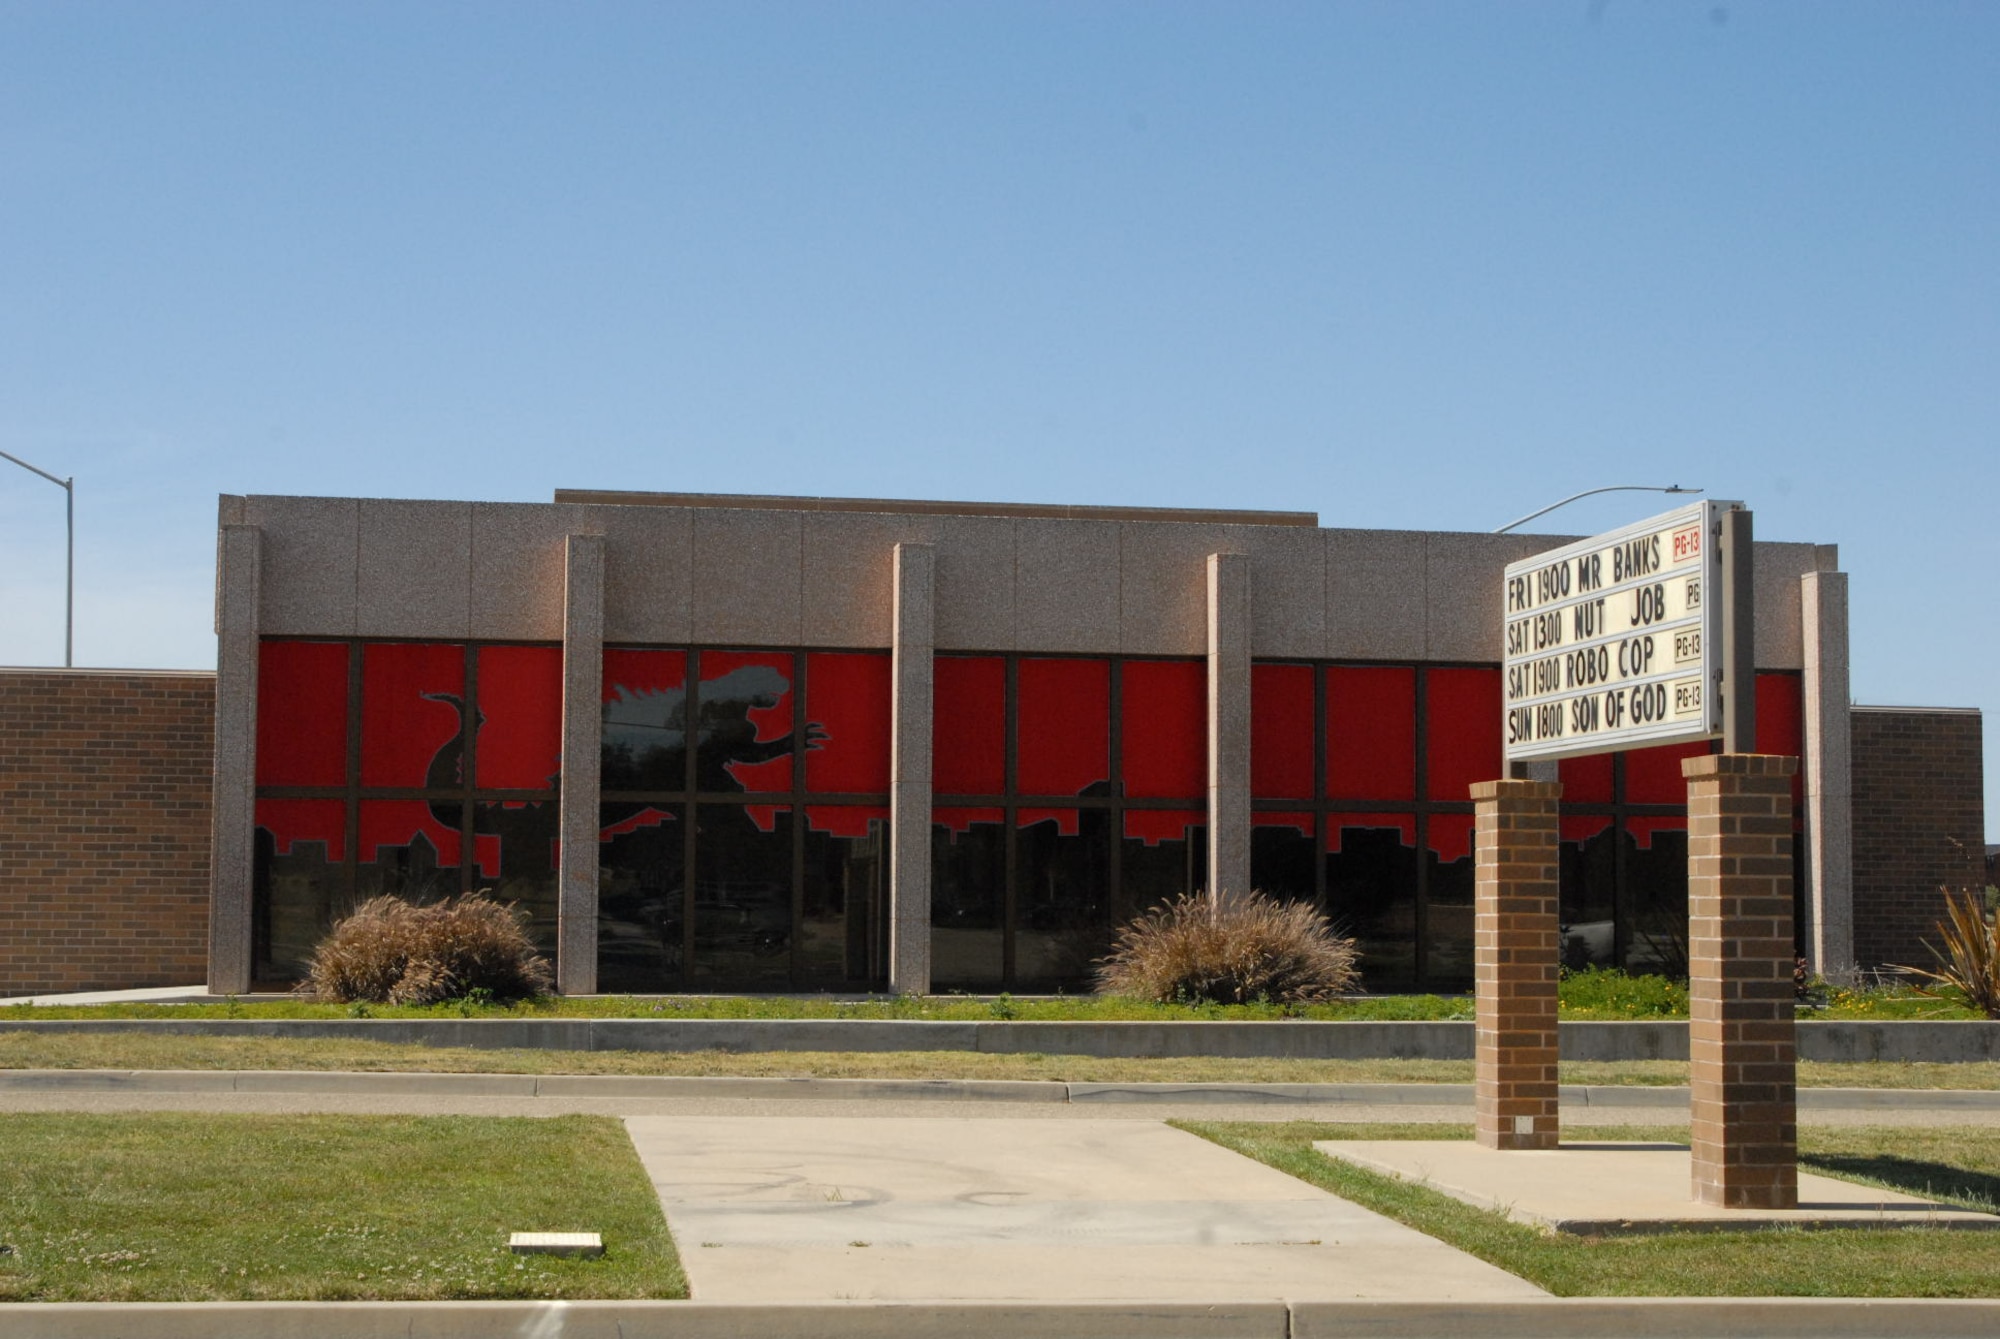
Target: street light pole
[[68, 487], [1591, 492]]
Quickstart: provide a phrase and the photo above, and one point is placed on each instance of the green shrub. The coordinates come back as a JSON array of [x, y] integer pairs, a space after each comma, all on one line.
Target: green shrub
[[1968, 970], [1612, 993], [1242, 949], [391, 952]]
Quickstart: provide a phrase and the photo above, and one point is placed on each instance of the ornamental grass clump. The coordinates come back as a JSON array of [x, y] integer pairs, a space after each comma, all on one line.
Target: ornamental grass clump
[[1242, 949], [1968, 970], [392, 952]]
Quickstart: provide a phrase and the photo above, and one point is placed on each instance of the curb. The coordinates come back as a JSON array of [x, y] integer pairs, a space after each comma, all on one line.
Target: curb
[[667, 1087], [1556, 1318], [1846, 1040]]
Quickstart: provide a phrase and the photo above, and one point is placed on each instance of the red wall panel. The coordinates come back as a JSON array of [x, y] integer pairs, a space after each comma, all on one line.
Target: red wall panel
[[410, 693], [1463, 735], [1063, 727], [848, 697], [1371, 732], [520, 711], [1653, 776], [1163, 728], [302, 714], [293, 821], [969, 725], [746, 713], [1282, 732]]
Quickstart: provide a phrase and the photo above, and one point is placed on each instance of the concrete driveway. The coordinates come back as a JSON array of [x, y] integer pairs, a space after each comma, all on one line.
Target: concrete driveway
[[829, 1208]]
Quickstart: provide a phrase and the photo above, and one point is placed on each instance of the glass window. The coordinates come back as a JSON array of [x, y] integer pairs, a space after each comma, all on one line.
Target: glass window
[[1585, 780], [1462, 707], [843, 923], [968, 898], [641, 912], [1371, 732], [1780, 714], [969, 725], [1063, 730], [1283, 855], [520, 717], [299, 882], [1656, 851], [1781, 727], [1064, 897], [847, 699], [521, 836], [1371, 893], [302, 714], [1165, 855], [412, 715], [1281, 732], [644, 744], [1163, 728], [1448, 901], [742, 897], [1587, 877], [410, 849], [745, 739], [1653, 776]]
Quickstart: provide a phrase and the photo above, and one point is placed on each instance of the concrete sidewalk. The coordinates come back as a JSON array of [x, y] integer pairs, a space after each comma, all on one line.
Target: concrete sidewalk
[[816, 1209], [548, 1094], [1616, 1189]]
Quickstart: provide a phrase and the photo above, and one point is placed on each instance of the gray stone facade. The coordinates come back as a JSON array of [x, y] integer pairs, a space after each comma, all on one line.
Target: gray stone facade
[[590, 570]]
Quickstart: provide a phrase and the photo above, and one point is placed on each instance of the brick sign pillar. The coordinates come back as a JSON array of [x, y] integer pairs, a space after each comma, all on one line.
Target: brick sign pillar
[[1742, 1039], [1515, 957]]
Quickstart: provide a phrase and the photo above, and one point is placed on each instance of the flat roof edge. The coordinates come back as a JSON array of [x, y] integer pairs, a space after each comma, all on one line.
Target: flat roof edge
[[913, 507], [107, 670], [1927, 711]]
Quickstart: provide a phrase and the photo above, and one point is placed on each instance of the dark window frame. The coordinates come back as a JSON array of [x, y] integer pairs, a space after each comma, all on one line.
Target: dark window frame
[[683, 801], [1114, 803], [1322, 806], [467, 795]]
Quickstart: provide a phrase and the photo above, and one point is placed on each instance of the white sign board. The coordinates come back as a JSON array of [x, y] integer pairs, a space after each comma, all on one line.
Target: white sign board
[[1614, 642]]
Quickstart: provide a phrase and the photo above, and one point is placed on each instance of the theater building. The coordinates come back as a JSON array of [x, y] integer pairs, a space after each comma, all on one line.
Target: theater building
[[795, 744]]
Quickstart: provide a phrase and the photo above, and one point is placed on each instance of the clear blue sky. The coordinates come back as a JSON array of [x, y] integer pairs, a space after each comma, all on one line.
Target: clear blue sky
[[1410, 265]]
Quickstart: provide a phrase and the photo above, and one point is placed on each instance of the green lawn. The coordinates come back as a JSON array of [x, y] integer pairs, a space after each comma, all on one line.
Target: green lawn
[[180, 1207], [41, 1050], [1597, 994], [936, 1008], [1960, 1164]]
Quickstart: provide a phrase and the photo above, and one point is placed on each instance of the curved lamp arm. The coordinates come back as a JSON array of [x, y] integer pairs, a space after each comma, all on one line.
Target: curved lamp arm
[[1589, 492], [68, 486]]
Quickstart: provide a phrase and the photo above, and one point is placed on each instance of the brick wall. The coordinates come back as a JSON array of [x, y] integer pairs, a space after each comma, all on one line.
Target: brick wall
[[1919, 825], [104, 816]]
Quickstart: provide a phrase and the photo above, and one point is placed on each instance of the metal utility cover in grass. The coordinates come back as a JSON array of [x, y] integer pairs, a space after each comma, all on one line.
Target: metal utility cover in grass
[[556, 1243]]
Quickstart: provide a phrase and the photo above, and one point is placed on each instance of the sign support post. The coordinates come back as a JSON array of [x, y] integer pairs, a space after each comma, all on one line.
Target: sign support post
[[1515, 957], [1639, 637], [1739, 633]]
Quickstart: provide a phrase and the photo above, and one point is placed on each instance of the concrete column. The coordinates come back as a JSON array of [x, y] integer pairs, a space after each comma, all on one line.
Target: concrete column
[[1829, 932], [1516, 952], [1228, 724], [582, 727], [239, 562], [910, 773], [1742, 1042]]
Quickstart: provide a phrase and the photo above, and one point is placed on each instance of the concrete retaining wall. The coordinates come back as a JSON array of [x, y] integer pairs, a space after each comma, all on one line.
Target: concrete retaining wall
[[1901, 1041]]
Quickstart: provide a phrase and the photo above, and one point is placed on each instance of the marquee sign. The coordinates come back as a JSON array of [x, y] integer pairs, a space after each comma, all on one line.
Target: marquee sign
[[1614, 642]]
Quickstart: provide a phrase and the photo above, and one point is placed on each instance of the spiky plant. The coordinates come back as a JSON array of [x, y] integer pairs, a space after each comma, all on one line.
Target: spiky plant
[[1238, 949], [1968, 962], [393, 952]]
